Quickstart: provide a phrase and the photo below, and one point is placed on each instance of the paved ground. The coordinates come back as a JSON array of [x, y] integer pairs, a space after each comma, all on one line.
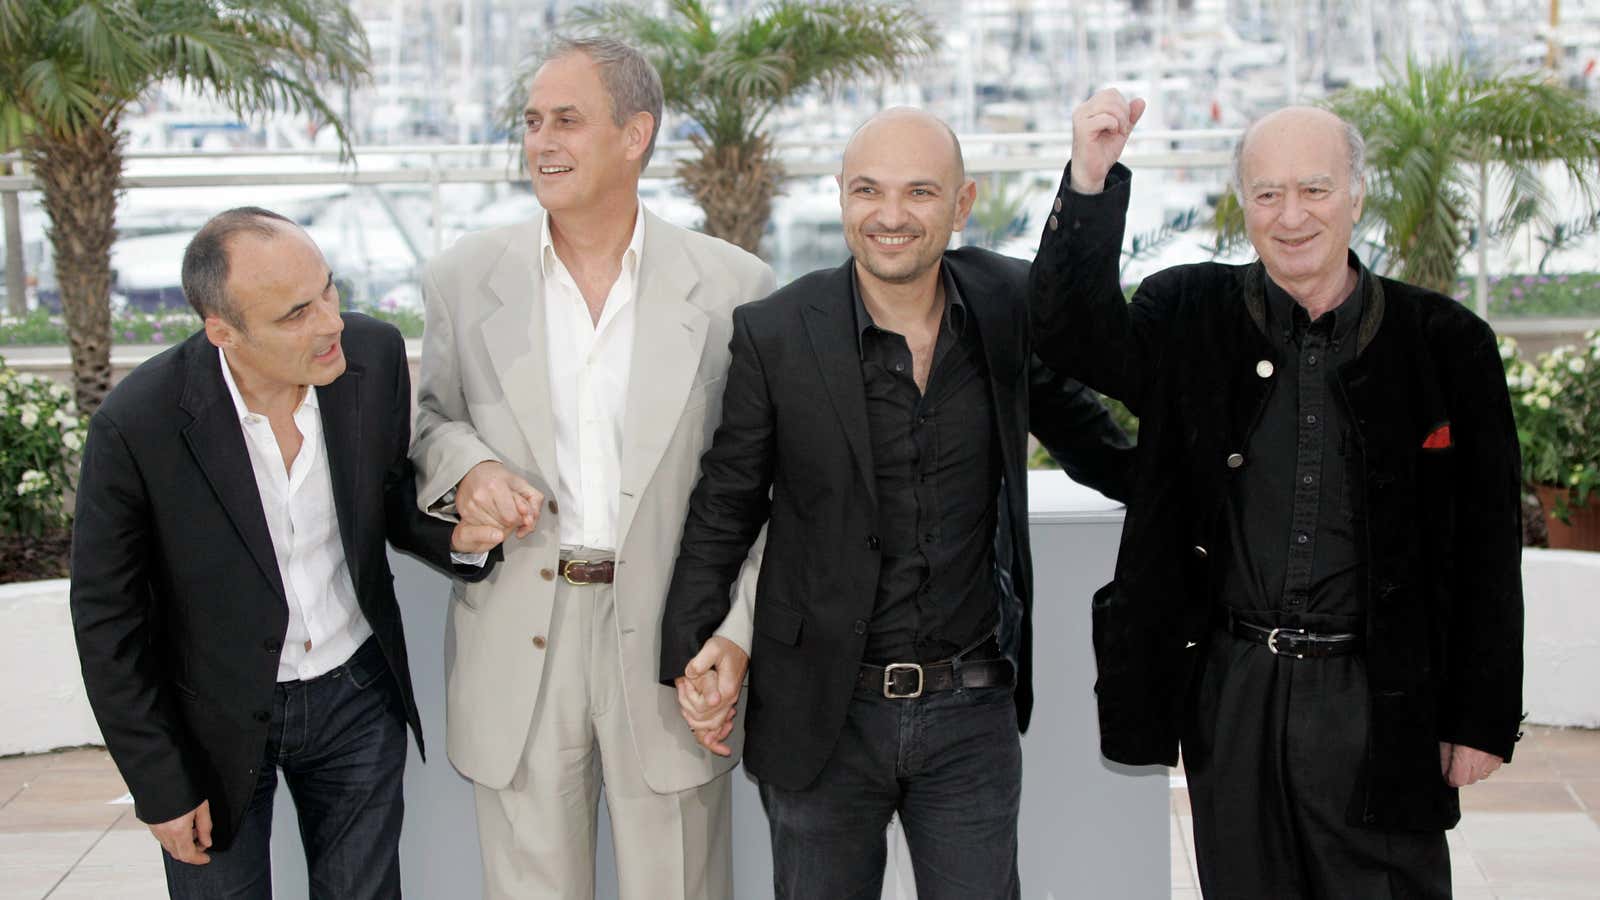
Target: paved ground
[[1531, 832]]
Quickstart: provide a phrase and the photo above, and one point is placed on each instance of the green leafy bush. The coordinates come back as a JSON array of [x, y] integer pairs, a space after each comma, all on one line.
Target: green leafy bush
[[1557, 405], [41, 437]]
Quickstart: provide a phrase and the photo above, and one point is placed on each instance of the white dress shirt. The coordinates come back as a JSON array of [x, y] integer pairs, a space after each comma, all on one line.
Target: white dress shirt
[[589, 366], [325, 622]]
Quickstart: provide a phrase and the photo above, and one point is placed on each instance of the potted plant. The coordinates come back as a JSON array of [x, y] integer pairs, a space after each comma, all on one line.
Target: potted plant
[[1557, 406], [41, 436]]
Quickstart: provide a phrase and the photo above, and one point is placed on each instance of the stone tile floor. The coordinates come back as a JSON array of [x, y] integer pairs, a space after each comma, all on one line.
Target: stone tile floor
[[1532, 832]]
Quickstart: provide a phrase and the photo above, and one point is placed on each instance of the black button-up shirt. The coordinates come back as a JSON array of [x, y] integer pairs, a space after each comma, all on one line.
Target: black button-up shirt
[[1292, 511], [936, 469]]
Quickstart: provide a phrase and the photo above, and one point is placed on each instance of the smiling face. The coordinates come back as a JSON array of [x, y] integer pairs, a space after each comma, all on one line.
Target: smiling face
[[283, 292], [577, 155], [1300, 203], [902, 193]]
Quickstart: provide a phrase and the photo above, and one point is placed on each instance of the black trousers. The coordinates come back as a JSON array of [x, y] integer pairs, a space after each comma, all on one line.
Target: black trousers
[[949, 763], [1273, 756], [340, 740]]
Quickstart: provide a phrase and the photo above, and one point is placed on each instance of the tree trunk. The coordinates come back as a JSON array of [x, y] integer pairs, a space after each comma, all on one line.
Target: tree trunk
[[734, 186], [80, 176]]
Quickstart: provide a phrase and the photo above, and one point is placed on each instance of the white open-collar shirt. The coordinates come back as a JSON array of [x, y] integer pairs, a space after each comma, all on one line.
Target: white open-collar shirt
[[589, 367], [326, 626]]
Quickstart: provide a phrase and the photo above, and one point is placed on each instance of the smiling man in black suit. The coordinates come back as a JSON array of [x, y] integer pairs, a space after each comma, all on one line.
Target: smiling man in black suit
[[233, 604]]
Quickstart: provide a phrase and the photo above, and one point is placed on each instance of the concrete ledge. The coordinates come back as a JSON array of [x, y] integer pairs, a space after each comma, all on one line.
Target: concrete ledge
[[1561, 637], [43, 705]]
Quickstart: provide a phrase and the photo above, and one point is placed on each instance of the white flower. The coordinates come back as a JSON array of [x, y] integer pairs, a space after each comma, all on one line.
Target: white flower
[[1508, 348], [1575, 365], [29, 414], [32, 481], [61, 391], [64, 419], [1541, 401], [72, 441]]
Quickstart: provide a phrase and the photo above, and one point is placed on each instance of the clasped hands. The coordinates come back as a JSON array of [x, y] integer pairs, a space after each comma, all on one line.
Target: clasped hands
[[492, 502], [708, 691]]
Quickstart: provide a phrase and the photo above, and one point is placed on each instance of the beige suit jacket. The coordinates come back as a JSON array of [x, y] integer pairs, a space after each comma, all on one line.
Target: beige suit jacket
[[484, 394]]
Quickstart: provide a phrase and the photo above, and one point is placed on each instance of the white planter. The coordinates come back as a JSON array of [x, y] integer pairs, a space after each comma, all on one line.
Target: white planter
[[1561, 589], [43, 705]]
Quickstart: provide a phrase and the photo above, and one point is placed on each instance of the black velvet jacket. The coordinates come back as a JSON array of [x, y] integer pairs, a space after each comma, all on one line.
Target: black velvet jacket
[[1436, 458]]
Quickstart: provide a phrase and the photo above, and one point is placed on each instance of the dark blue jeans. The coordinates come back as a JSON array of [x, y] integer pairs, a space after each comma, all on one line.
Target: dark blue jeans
[[950, 763], [341, 742]]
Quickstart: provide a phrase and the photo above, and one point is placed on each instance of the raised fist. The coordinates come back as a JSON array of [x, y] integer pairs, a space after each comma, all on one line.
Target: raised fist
[[1100, 129]]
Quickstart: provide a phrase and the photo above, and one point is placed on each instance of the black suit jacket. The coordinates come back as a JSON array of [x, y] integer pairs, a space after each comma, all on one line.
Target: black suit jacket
[[1435, 474], [177, 600], [793, 447]]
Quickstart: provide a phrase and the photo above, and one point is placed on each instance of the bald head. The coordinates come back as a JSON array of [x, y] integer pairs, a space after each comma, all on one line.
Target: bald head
[[905, 126], [1293, 124]]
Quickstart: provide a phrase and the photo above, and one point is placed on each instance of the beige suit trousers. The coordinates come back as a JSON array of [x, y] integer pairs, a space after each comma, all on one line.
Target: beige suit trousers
[[538, 834]]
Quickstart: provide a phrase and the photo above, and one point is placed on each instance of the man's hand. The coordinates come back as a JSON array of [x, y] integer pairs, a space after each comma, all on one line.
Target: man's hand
[[1462, 765], [475, 538], [708, 689], [1100, 129], [490, 494], [187, 837]]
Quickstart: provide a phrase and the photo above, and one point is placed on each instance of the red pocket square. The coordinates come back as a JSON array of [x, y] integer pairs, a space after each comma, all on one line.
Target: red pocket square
[[1438, 438]]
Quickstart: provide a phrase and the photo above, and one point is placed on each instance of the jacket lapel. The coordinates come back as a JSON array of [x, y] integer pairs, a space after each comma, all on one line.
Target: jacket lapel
[[340, 406], [831, 326], [516, 286], [669, 337], [216, 441], [999, 352]]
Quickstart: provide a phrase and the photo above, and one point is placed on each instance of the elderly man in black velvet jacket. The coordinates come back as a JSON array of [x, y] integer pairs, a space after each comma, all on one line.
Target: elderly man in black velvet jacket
[[1318, 593]]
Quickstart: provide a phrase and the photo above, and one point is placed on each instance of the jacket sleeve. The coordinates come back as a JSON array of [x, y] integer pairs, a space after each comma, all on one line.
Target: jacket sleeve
[[1083, 326], [407, 527], [447, 444], [727, 510], [1482, 702], [116, 623], [1078, 432]]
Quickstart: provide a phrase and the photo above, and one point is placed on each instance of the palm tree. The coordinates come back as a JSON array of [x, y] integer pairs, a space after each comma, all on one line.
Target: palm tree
[[730, 80], [1441, 138], [72, 68]]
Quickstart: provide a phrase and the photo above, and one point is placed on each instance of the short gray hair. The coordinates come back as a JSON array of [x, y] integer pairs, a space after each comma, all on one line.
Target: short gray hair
[[631, 81], [205, 260], [1355, 147]]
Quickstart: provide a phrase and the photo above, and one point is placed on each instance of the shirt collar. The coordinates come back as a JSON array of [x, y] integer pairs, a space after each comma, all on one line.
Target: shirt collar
[[1283, 308], [244, 413], [549, 261], [955, 308]]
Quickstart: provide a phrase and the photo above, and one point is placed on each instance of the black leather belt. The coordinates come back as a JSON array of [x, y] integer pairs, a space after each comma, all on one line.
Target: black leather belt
[[582, 571], [1295, 643], [904, 681]]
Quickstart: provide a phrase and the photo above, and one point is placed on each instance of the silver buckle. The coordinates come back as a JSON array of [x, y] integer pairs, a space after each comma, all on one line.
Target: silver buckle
[[888, 681], [1272, 642], [566, 571]]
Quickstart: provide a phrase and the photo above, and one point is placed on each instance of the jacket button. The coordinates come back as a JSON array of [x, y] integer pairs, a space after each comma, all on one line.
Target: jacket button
[[262, 716], [547, 574], [272, 645], [539, 641], [1057, 206], [1264, 368], [1199, 552], [873, 542], [861, 626], [555, 509], [1054, 224], [1235, 460]]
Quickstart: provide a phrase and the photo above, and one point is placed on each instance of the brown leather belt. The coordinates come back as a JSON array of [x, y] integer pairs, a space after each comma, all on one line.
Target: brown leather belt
[[581, 571], [904, 681]]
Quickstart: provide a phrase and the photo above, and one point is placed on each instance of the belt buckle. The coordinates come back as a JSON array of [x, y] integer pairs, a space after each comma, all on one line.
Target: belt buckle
[[1272, 642], [888, 681], [566, 572]]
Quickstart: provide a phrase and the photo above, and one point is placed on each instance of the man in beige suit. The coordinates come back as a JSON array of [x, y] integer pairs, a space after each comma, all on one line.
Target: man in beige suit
[[572, 373]]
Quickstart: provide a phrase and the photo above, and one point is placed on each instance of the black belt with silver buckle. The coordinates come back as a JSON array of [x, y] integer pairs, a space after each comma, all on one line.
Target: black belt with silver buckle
[[906, 681], [581, 571], [1295, 643]]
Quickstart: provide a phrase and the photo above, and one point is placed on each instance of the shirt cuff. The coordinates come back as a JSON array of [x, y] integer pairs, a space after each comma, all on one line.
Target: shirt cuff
[[469, 559]]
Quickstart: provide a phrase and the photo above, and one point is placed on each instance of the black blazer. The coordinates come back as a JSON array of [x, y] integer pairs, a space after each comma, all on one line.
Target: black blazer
[[177, 600], [1436, 467], [793, 447]]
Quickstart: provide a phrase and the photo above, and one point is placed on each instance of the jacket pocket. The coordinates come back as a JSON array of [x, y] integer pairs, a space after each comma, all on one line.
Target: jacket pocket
[[778, 622]]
